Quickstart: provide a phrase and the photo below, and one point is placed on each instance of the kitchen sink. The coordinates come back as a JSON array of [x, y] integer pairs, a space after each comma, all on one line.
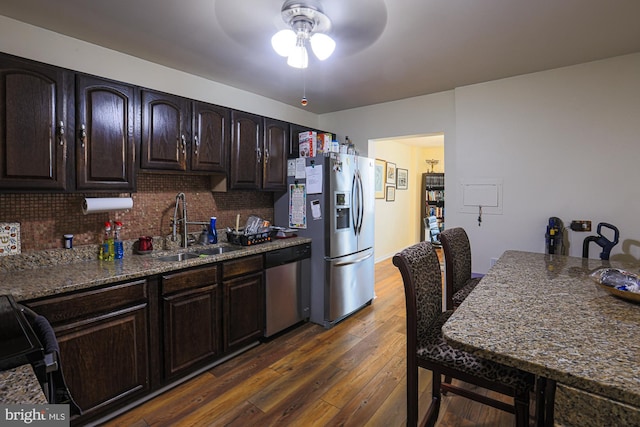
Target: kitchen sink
[[178, 257], [217, 251]]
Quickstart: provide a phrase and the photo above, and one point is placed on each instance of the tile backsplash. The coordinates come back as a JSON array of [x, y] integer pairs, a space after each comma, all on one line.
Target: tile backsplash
[[45, 218]]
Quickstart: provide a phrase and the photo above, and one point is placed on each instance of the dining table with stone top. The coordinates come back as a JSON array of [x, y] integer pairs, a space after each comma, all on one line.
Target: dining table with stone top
[[546, 315]]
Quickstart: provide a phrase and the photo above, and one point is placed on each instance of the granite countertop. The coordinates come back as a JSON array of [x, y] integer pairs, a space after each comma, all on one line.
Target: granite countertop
[[543, 314], [80, 273], [20, 386]]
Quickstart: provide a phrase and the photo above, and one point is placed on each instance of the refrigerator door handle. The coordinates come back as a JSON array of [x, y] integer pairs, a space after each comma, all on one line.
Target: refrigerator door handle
[[360, 203], [353, 261], [354, 198]]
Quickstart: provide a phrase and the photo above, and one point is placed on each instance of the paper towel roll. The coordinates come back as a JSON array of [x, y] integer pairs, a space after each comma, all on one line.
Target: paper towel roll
[[106, 204]]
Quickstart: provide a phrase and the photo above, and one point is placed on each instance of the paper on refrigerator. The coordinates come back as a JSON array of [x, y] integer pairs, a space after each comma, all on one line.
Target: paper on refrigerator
[[297, 206]]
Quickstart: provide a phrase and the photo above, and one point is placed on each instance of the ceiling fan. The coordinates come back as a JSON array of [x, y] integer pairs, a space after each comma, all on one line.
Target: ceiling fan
[[355, 24]]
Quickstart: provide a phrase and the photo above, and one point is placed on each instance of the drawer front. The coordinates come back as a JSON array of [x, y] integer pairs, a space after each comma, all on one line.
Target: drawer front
[[82, 304], [189, 279], [238, 267]]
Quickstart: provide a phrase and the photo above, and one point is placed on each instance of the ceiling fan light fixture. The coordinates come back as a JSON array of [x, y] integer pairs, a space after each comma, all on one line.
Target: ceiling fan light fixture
[[283, 42], [307, 23], [298, 58], [322, 45]]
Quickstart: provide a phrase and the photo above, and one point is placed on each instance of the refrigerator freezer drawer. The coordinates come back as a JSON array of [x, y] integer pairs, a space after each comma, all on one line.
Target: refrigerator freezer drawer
[[349, 285]]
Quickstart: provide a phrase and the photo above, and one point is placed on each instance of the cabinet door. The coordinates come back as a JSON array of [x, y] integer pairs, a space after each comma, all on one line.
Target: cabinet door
[[191, 329], [276, 143], [164, 131], [33, 125], [293, 148], [243, 311], [246, 151], [210, 139], [105, 358], [105, 145]]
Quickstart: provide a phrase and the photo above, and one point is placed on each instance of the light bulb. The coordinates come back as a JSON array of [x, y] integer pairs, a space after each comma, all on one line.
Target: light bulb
[[298, 58], [304, 101], [322, 45], [283, 42]]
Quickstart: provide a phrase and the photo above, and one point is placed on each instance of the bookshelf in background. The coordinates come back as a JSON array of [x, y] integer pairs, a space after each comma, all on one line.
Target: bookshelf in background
[[432, 203]]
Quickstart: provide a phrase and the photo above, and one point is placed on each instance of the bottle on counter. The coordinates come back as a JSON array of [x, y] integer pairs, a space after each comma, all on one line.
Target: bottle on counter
[[213, 234], [117, 241], [106, 249]]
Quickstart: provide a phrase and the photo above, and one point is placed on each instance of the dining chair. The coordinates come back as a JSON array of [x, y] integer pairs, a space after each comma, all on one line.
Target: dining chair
[[427, 348], [457, 264]]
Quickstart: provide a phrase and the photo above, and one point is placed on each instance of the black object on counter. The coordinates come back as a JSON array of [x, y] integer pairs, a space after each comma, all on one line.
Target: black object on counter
[[249, 239], [601, 241], [19, 344]]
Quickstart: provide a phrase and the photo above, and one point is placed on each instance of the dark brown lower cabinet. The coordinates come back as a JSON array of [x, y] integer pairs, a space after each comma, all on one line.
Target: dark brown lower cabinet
[[104, 344], [191, 311], [243, 302], [105, 357], [121, 342]]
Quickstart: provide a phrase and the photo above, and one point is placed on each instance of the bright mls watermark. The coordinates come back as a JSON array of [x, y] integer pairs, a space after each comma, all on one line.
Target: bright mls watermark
[[34, 415]]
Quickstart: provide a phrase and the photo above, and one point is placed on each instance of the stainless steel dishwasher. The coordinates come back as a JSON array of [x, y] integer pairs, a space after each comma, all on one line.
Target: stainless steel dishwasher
[[287, 287]]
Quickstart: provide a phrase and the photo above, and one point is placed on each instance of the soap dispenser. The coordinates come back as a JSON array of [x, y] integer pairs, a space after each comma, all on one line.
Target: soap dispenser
[[213, 234]]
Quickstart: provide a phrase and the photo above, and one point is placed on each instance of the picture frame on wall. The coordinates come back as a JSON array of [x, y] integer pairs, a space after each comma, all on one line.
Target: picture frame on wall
[[380, 173], [391, 173], [402, 179], [391, 193]]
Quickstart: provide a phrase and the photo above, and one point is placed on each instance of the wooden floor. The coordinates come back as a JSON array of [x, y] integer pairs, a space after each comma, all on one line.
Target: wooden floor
[[350, 375]]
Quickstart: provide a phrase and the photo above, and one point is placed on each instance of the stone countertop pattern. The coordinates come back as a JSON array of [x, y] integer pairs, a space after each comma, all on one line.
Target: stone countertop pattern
[[543, 314], [20, 386], [73, 272]]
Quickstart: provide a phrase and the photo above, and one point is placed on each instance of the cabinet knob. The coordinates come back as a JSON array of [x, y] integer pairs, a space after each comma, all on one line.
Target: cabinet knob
[[184, 144], [83, 135], [196, 142], [266, 155], [258, 154]]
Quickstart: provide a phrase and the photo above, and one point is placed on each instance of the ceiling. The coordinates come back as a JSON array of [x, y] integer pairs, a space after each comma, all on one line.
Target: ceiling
[[386, 49]]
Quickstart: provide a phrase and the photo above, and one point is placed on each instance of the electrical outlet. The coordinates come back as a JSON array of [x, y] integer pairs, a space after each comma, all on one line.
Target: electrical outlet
[[581, 225]]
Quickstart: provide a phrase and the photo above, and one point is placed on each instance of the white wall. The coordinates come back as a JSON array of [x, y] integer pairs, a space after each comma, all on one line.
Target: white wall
[[565, 142], [27, 41]]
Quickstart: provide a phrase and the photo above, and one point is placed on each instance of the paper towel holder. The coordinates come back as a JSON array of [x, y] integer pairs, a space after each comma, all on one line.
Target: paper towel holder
[[92, 205]]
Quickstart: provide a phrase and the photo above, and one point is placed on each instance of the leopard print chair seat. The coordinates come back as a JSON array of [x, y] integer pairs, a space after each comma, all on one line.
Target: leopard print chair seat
[[427, 348], [457, 259]]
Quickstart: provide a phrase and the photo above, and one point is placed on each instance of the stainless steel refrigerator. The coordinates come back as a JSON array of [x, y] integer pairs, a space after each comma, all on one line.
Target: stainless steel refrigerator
[[340, 222]]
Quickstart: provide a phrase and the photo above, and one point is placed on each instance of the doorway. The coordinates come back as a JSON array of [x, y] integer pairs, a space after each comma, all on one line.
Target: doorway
[[399, 212]]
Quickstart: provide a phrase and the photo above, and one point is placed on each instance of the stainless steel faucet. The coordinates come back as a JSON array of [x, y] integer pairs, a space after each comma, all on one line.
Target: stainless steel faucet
[[183, 220]]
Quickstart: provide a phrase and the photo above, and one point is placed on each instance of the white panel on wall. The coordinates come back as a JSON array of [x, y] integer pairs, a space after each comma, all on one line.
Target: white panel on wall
[[480, 192]]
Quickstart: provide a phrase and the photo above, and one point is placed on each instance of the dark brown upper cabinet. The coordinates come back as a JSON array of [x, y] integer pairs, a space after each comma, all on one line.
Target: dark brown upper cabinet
[[275, 148], [211, 136], [33, 125], [258, 152], [105, 135], [293, 149], [183, 135], [165, 128], [246, 151]]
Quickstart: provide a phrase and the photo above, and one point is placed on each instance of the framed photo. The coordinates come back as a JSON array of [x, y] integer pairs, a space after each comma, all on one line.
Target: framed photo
[[391, 173], [391, 193], [380, 173], [402, 179]]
